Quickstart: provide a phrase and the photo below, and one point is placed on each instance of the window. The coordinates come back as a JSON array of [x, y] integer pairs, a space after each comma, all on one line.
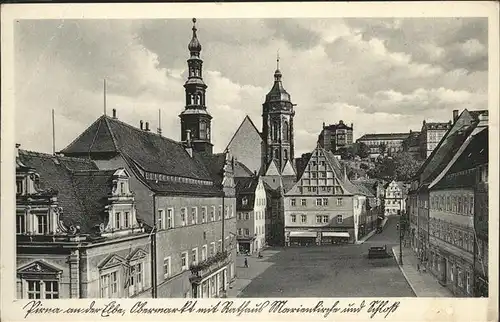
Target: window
[[339, 201], [109, 285], [303, 218], [294, 218], [183, 216], [247, 216], [226, 212], [194, 215], [212, 214], [244, 201], [19, 187], [51, 289], [460, 277], [340, 219], [34, 289], [240, 231], [325, 201], [184, 260], [219, 246], [204, 214], [292, 202], [247, 231], [203, 130], [213, 249], [166, 267], [126, 223], [467, 281], [319, 202], [219, 215], [194, 256], [170, 218], [325, 219], [303, 202], [122, 188], [20, 224], [42, 224], [318, 219], [204, 252], [135, 278], [160, 220]]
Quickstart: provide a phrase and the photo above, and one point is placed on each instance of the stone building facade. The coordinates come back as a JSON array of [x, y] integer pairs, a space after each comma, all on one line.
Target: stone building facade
[[336, 136]]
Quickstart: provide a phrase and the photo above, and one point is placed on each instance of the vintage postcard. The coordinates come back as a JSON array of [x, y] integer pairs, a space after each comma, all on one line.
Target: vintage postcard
[[271, 161]]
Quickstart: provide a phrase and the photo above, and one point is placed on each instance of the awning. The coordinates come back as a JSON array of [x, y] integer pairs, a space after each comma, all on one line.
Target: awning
[[303, 234], [336, 234]]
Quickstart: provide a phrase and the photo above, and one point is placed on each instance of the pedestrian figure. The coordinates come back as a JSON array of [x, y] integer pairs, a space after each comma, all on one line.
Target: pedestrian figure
[[246, 262], [418, 267]]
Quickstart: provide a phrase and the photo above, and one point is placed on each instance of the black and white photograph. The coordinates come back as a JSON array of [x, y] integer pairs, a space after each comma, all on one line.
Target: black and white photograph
[[202, 157]]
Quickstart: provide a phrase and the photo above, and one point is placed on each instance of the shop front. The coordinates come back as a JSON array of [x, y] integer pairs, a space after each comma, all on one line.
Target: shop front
[[302, 238], [335, 237]]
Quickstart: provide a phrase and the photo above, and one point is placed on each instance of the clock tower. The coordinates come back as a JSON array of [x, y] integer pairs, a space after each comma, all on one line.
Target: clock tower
[[195, 119], [277, 126]]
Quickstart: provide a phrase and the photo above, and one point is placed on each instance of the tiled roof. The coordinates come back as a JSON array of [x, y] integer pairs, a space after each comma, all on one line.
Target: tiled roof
[[448, 149], [241, 170], [384, 136], [150, 151], [475, 154], [82, 189]]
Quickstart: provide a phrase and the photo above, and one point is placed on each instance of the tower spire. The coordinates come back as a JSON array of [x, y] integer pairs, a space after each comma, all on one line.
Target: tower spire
[[278, 60]]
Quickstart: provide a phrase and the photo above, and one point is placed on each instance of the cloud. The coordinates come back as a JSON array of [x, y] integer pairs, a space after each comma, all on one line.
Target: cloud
[[380, 74]]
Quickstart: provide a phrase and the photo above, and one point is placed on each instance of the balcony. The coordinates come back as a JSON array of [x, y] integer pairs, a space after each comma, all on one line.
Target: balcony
[[205, 268]]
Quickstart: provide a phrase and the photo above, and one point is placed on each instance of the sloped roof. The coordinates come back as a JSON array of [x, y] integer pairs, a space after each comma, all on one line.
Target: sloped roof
[[339, 172], [437, 125], [248, 120], [241, 170], [272, 169], [288, 169], [384, 136], [473, 155], [245, 187], [148, 150], [364, 189], [81, 190]]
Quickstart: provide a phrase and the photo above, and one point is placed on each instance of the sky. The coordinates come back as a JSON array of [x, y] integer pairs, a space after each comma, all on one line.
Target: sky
[[382, 75]]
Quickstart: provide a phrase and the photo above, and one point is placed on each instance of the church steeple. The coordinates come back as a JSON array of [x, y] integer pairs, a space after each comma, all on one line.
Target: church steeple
[[195, 116], [277, 124]]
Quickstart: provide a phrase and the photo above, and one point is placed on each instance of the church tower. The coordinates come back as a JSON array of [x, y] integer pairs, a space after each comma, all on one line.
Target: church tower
[[195, 119], [277, 127]]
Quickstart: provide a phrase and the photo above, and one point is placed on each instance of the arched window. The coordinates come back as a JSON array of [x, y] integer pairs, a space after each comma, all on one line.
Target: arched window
[[276, 154], [203, 130], [285, 131], [286, 154], [275, 131]]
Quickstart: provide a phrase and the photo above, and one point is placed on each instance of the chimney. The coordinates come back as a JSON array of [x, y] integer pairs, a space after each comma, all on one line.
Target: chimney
[[17, 150], [455, 116], [141, 124], [483, 119], [323, 124], [411, 131], [352, 125], [423, 122], [114, 113], [189, 148], [147, 127]]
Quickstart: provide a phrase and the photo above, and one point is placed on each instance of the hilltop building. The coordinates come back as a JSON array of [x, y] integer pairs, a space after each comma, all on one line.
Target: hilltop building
[[336, 136]]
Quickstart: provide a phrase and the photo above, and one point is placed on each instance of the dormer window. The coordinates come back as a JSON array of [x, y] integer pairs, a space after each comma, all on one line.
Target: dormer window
[[117, 220], [20, 223], [122, 188], [244, 201]]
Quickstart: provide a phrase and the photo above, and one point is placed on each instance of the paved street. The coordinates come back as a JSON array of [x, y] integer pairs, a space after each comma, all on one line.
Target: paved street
[[324, 271]]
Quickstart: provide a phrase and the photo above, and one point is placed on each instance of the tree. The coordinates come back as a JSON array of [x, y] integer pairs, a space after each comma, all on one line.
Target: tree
[[363, 151], [364, 166], [406, 166], [345, 153]]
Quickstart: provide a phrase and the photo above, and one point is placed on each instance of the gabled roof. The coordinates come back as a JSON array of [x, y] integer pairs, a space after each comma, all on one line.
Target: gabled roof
[[246, 120], [272, 169], [288, 169], [245, 188], [340, 173], [436, 125], [82, 190]]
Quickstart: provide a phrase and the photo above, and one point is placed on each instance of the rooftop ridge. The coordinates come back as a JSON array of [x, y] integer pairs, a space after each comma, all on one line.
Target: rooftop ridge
[[51, 156]]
